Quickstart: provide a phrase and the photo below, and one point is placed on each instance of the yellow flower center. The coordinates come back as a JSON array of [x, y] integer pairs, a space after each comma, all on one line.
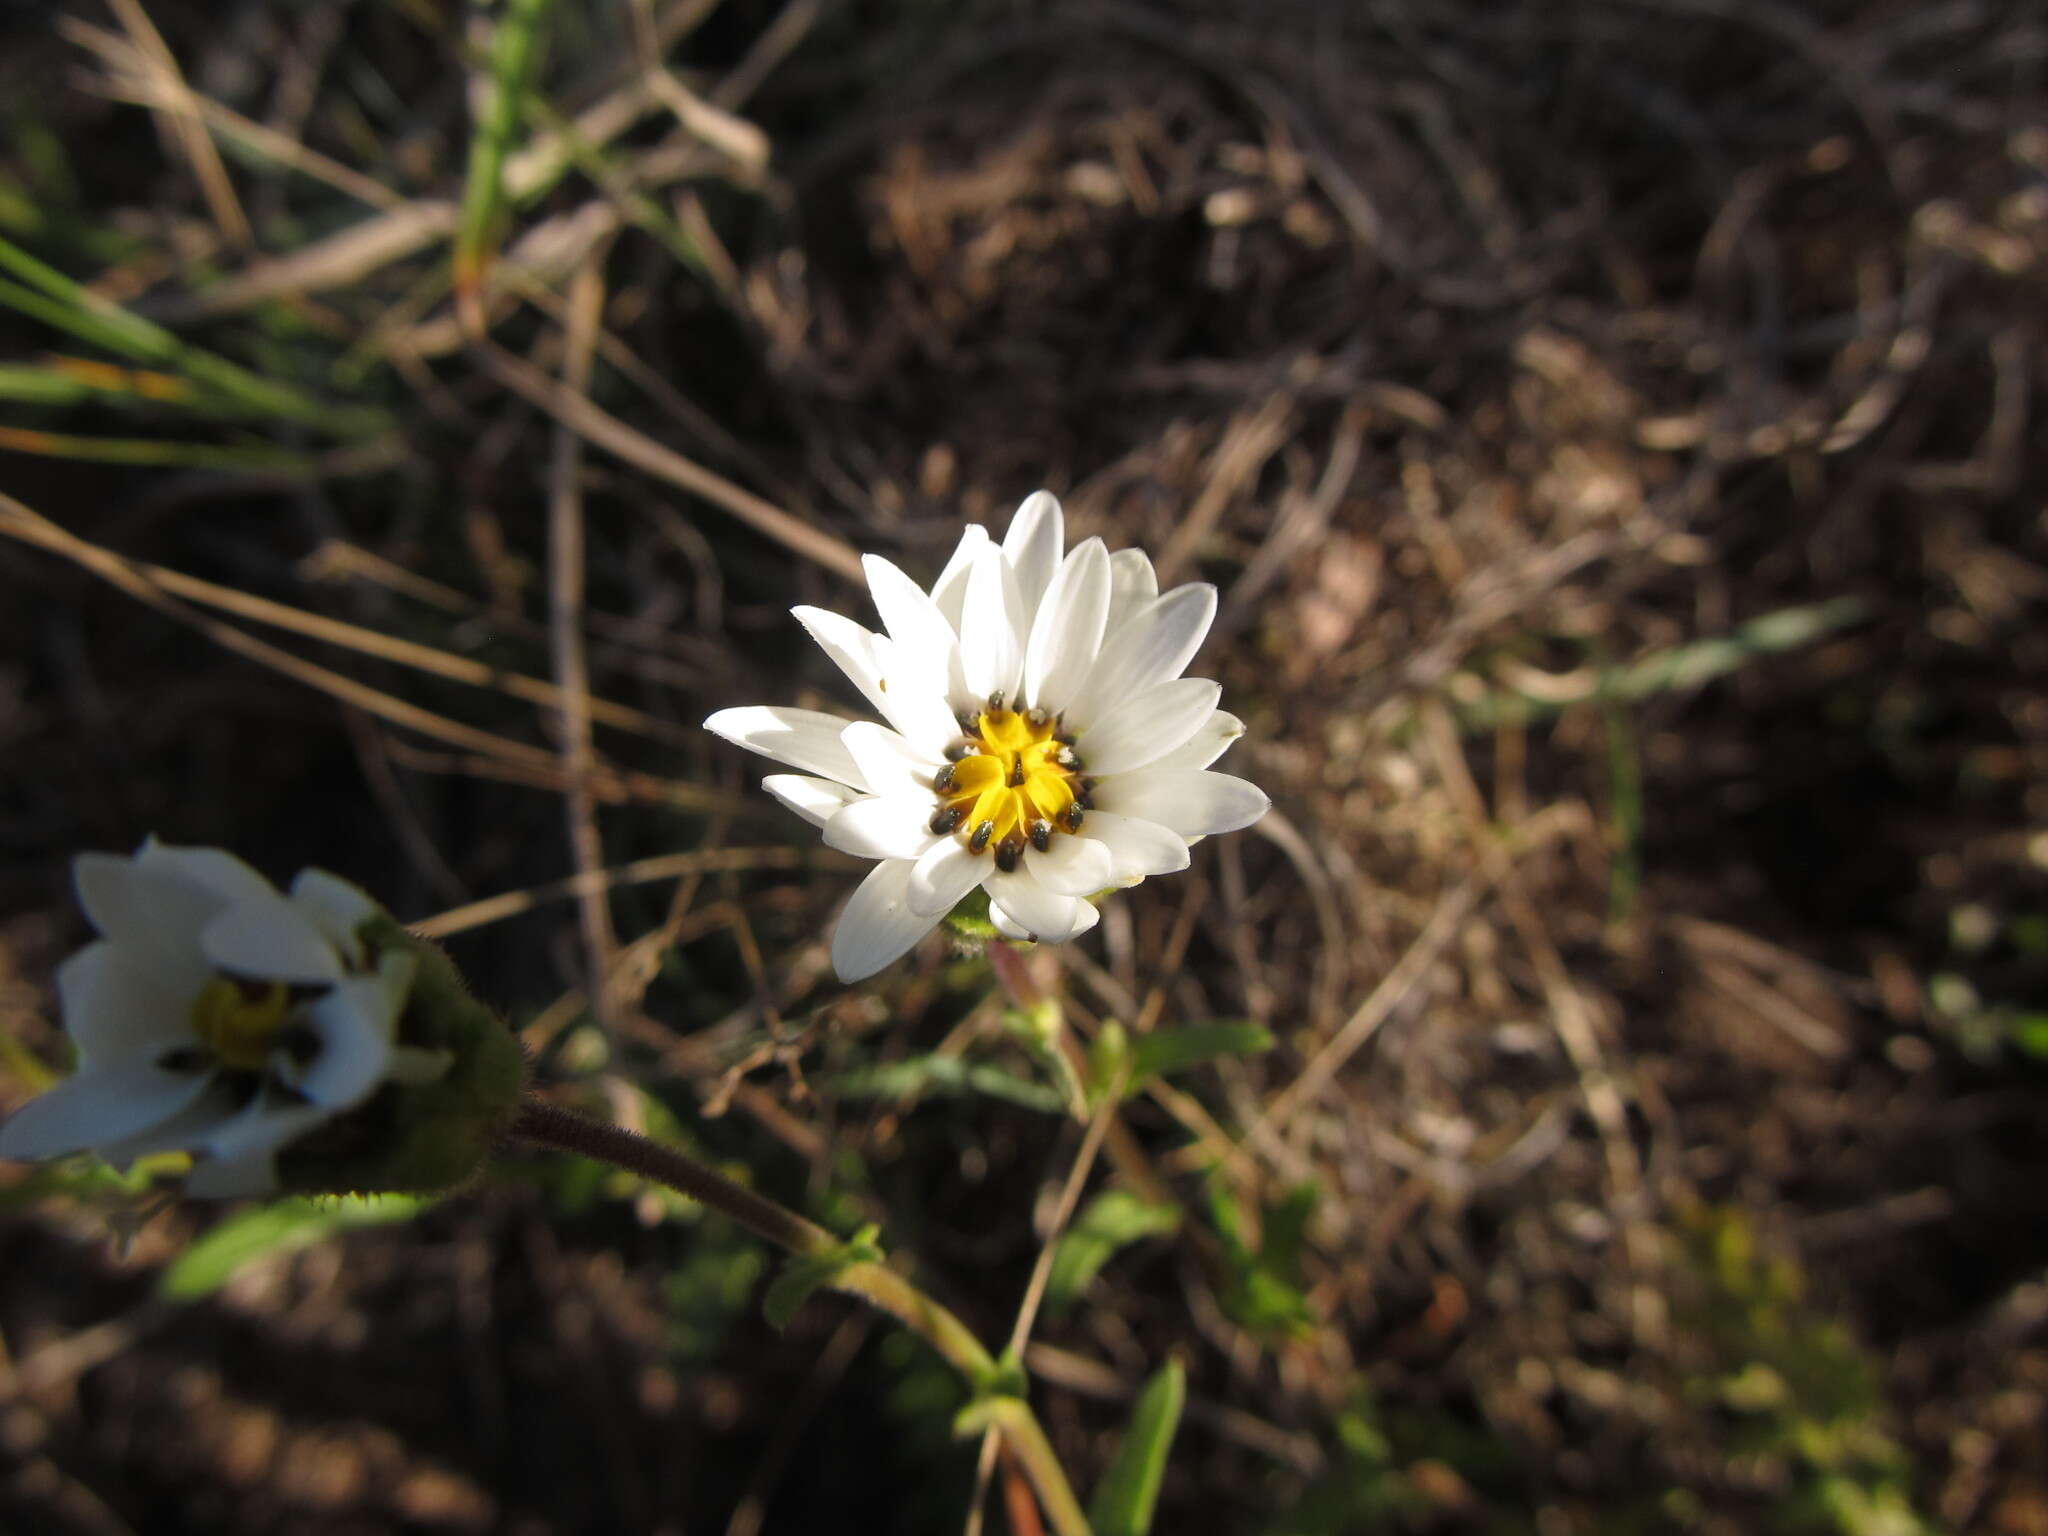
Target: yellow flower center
[[1013, 778], [239, 1022]]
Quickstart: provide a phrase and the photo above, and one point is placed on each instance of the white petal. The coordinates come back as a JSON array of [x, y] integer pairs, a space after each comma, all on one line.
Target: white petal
[[1146, 728], [802, 738], [1009, 927], [949, 592], [925, 638], [336, 908], [155, 914], [215, 869], [1136, 848], [878, 925], [188, 1128], [244, 1151], [851, 647], [115, 1008], [945, 874], [992, 626], [270, 940], [816, 800], [1067, 634], [890, 764], [123, 1098], [883, 827], [1187, 801], [1155, 644], [1073, 866], [1032, 547], [354, 1026], [1045, 915], [1216, 737], [1132, 584], [915, 707]]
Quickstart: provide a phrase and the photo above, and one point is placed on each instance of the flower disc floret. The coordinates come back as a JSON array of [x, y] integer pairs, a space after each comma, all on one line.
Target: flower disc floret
[[1013, 778]]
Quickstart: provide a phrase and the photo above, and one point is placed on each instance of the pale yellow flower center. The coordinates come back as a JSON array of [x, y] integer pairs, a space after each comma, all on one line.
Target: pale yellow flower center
[[239, 1022], [1014, 779]]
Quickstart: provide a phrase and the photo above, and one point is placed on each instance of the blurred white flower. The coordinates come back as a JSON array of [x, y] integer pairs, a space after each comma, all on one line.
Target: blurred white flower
[[1041, 742], [218, 1016]]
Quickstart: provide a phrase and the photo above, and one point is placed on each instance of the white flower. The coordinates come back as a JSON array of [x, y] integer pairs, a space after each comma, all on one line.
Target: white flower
[[218, 1016], [1041, 741]]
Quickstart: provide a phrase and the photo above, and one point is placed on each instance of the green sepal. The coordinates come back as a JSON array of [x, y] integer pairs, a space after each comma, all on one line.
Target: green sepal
[[808, 1271], [969, 918], [419, 1137]]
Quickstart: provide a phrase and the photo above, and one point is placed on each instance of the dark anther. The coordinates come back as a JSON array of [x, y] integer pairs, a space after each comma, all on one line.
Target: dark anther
[[1072, 816], [946, 818], [1016, 771], [942, 781], [1041, 834], [995, 702], [965, 746], [300, 1043], [969, 724], [1068, 759], [1008, 852], [1085, 800], [1038, 716], [1064, 737], [982, 834], [184, 1058]]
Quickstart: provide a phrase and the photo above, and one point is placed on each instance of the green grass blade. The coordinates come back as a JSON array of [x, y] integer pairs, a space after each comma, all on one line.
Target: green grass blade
[[150, 450], [45, 294], [514, 52]]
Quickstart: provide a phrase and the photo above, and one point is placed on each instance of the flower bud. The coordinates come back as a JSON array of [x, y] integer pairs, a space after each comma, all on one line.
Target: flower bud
[[288, 1041]]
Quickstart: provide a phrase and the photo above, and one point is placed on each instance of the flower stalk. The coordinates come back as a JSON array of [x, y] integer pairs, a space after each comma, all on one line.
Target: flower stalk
[[542, 1124]]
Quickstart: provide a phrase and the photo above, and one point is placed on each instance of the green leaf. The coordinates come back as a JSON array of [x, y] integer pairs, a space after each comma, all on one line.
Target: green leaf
[[1167, 1051], [1112, 1220], [1129, 1491], [269, 1230], [1285, 1228], [2029, 1032], [805, 1273]]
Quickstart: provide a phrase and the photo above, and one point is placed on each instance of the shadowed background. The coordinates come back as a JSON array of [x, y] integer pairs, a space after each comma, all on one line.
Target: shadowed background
[[1612, 430]]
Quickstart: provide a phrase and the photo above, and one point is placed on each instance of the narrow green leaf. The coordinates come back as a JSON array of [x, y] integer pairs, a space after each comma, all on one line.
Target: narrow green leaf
[[215, 1258], [1167, 1051], [806, 1272], [1114, 1219], [1129, 1491]]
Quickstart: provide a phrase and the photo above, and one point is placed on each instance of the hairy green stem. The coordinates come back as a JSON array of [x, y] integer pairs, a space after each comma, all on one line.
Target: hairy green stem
[[548, 1125], [1013, 1416]]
